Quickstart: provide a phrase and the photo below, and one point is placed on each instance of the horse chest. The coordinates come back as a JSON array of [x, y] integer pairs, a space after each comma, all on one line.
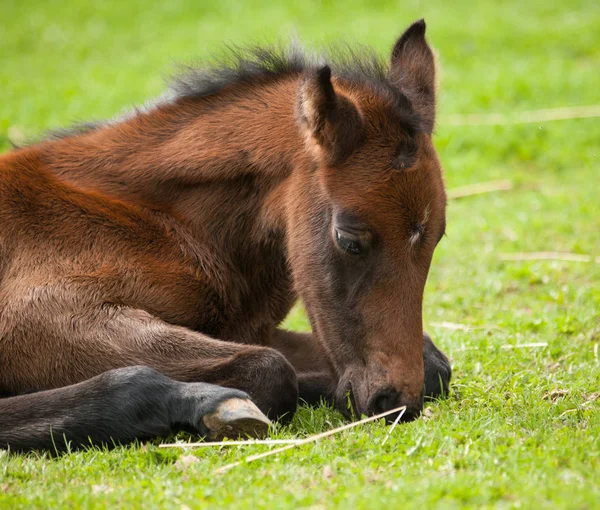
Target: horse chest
[[239, 294], [262, 294]]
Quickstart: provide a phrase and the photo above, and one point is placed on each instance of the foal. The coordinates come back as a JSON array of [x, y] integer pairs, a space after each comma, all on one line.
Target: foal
[[145, 264]]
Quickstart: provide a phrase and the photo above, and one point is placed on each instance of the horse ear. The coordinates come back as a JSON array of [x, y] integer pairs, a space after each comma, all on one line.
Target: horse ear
[[331, 122], [412, 70]]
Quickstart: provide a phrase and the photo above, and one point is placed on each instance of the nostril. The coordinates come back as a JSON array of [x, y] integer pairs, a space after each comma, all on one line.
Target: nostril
[[383, 401]]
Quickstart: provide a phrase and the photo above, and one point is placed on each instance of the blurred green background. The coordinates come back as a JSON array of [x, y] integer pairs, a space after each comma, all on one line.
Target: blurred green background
[[63, 60], [522, 425]]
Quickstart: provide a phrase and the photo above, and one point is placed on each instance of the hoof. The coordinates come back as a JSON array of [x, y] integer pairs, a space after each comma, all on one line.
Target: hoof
[[236, 417]]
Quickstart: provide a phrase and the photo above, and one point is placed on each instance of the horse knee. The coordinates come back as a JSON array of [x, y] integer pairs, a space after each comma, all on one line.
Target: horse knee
[[273, 384]]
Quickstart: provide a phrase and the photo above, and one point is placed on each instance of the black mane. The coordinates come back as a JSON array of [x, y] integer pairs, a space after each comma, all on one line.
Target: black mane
[[260, 64]]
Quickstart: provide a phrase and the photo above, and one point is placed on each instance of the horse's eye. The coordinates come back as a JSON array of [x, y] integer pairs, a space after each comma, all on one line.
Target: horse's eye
[[349, 243]]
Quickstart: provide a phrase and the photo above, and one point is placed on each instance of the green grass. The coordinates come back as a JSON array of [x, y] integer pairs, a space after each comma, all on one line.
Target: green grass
[[521, 427]]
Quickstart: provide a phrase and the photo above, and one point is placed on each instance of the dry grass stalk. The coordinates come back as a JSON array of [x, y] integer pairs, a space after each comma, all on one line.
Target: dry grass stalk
[[534, 345], [549, 255], [229, 443], [451, 325], [464, 349], [526, 117], [525, 346], [479, 188], [387, 436], [459, 327], [310, 439]]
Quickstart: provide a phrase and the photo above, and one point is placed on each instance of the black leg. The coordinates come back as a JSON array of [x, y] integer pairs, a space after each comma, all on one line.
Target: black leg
[[122, 405]]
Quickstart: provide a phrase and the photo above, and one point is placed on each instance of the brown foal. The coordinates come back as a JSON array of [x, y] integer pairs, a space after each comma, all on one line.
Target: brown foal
[[146, 263]]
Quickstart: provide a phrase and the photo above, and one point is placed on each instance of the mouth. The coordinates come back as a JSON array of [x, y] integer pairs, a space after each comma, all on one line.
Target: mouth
[[346, 403]]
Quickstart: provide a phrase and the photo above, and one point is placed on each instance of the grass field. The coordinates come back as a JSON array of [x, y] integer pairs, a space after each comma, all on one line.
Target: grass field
[[522, 425]]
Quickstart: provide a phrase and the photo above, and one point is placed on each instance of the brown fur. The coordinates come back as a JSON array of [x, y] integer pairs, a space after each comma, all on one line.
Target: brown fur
[[180, 237]]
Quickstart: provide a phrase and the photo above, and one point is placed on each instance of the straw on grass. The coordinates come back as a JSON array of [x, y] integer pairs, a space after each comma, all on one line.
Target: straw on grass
[[525, 117], [534, 345], [392, 427], [524, 346], [228, 443], [479, 188], [549, 255], [460, 327], [311, 439]]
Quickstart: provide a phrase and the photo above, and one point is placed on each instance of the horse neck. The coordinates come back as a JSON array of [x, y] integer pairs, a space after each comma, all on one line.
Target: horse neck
[[176, 154]]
